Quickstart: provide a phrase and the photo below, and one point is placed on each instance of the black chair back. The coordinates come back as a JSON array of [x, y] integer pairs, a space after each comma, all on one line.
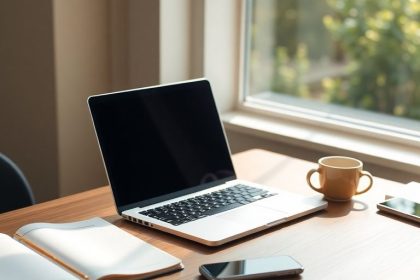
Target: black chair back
[[15, 191]]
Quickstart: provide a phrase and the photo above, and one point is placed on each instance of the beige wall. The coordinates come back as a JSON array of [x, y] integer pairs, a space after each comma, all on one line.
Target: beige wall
[[28, 124], [82, 67], [94, 40], [54, 54]]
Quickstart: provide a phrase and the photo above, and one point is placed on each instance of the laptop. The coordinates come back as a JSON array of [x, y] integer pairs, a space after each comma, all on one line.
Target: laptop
[[169, 166]]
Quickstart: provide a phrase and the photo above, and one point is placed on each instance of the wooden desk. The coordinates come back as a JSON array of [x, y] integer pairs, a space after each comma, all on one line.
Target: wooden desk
[[347, 241]]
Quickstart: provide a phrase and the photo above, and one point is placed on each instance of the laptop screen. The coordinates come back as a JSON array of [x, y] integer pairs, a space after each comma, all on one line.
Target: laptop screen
[[160, 142]]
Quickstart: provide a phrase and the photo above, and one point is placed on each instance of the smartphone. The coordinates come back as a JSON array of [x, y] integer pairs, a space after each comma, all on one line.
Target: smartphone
[[252, 268], [402, 207]]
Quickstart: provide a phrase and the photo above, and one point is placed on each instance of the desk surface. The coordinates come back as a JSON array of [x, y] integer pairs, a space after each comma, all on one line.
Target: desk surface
[[347, 241]]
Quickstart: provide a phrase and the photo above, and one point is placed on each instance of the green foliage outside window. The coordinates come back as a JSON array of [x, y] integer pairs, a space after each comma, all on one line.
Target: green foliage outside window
[[381, 41], [290, 73], [376, 42]]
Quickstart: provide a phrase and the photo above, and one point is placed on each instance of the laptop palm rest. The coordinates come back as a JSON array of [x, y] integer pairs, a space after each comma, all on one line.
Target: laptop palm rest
[[231, 225], [253, 215]]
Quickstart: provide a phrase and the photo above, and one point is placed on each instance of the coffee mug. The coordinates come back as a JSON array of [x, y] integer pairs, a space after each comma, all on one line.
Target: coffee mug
[[339, 177]]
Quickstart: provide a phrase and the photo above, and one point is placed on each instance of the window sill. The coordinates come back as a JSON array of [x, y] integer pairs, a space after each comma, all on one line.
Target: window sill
[[385, 153]]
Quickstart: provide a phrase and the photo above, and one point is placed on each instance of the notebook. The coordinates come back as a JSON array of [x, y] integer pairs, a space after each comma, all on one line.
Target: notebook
[[90, 249], [169, 166]]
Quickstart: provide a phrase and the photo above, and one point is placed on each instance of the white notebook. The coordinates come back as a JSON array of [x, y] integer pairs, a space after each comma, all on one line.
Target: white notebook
[[91, 249]]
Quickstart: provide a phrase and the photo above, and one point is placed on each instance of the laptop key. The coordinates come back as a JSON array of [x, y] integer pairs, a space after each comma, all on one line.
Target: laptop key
[[209, 204]]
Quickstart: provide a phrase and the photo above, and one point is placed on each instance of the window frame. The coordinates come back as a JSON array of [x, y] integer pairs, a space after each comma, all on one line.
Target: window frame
[[305, 115], [300, 128]]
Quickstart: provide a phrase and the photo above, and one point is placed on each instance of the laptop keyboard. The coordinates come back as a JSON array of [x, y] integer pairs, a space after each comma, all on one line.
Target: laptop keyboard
[[206, 205]]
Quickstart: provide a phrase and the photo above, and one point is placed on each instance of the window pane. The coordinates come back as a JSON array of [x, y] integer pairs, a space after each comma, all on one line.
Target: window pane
[[360, 54]]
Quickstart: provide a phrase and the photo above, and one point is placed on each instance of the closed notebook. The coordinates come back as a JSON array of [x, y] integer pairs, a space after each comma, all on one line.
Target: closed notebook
[[91, 249]]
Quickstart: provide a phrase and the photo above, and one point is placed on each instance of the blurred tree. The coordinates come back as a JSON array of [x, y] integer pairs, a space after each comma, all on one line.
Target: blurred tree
[[289, 72], [381, 43], [285, 36]]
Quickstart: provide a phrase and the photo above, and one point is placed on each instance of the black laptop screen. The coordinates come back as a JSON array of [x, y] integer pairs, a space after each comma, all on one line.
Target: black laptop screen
[[161, 140]]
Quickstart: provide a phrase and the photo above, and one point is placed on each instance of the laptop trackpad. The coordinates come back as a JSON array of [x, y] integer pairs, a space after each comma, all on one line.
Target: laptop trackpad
[[253, 215], [291, 203]]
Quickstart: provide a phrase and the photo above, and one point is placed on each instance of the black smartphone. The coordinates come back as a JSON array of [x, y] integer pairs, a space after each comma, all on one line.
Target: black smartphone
[[252, 268], [401, 207]]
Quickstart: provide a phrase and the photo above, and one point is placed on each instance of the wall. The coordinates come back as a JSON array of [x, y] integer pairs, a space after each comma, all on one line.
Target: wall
[[100, 46], [54, 54], [28, 124], [82, 67], [181, 34]]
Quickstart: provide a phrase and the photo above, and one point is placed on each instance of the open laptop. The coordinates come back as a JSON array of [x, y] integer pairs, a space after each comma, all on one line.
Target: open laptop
[[169, 166]]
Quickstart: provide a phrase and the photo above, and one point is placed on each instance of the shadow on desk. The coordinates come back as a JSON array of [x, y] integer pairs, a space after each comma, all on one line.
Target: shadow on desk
[[341, 209]]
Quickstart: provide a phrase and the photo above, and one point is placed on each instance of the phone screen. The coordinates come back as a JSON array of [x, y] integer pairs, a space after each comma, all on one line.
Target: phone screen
[[403, 205], [275, 266]]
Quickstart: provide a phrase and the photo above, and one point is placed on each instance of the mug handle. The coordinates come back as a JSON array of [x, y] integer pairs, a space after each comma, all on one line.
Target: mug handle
[[308, 180], [367, 174]]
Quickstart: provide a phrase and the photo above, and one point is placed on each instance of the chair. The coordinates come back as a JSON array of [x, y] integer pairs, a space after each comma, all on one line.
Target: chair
[[15, 191]]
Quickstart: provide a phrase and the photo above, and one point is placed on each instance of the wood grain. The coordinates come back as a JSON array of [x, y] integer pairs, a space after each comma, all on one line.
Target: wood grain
[[347, 241]]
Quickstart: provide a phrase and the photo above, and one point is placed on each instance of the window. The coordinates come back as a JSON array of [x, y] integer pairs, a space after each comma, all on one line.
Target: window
[[342, 62]]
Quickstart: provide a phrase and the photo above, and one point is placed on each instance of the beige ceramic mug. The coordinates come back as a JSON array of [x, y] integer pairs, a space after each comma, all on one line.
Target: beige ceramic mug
[[339, 177]]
